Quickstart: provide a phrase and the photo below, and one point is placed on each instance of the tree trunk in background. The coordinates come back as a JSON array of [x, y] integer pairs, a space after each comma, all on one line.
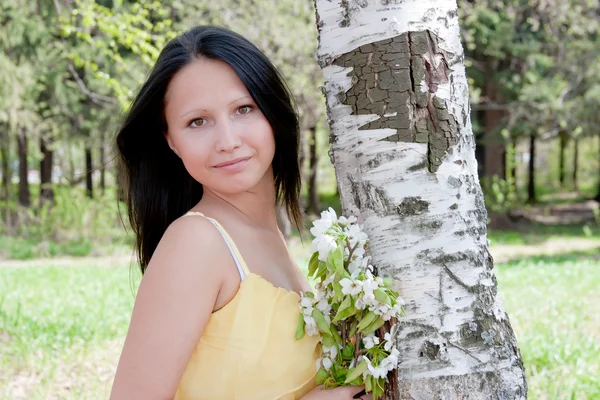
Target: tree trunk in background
[[513, 161], [575, 164], [46, 192], [89, 170], [531, 198], [313, 206], [480, 145], [495, 156], [102, 168], [24, 195], [403, 151], [5, 155], [561, 162], [597, 198]]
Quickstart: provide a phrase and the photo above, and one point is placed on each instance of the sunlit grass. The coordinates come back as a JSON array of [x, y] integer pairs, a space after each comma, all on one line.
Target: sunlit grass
[[553, 306]]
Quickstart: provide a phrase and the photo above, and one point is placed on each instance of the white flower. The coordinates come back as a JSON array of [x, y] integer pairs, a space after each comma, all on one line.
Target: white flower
[[331, 351], [350, 220], [356, 235], [322, 225], [387, 312], [327, 363], [359, 252], [328, 280], [311, 325], [324, 306], [351, 287], [324, 244], [391, 361], [354, 268], [370, 300], [370, 341], [389, 341], [307, 305], [369, 284], [397, 309], [360, 304], [377, 372]]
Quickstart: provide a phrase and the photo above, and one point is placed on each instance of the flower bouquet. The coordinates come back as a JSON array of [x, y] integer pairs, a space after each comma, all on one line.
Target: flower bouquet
[[349, 309]]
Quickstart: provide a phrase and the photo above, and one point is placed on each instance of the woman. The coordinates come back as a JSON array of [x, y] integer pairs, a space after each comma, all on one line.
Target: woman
[[210, 148]]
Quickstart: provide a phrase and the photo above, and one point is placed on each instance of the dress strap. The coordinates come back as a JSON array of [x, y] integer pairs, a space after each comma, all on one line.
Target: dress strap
[[235, 253]]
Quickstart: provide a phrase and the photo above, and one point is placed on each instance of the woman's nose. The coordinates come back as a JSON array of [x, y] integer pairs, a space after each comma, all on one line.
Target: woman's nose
[[228, 137]]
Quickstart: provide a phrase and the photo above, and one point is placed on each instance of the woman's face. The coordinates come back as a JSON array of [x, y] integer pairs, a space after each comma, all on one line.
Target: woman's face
[[214, 126]]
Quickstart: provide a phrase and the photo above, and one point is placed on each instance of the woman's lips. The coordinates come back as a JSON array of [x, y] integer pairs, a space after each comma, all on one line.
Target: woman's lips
[[233, 164]]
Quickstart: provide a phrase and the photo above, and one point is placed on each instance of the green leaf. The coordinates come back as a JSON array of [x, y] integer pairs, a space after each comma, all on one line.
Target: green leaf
[[382, 296], [353, 328], [313, 264], [337, 290], [366, 321], [369, 383], [300, 329], [387, 282], [321, 376], [321, 271], [327, 340], [378, 323], [356, 372], [310, 294], [346, 310], [336, 335], [320, 320], [348, 351], [335, 259]]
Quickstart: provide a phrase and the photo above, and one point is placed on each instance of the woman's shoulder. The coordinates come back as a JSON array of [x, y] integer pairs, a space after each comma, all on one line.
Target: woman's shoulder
[[190, 241]]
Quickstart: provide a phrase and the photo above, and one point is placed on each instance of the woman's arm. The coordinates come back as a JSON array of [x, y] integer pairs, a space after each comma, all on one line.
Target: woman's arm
[[176, 297]]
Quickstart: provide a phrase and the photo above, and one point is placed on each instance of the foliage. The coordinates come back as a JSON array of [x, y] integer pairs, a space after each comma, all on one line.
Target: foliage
[[72, 225]]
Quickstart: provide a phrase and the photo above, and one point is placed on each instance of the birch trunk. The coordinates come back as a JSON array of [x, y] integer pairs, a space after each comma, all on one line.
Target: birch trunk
[[403, 151]]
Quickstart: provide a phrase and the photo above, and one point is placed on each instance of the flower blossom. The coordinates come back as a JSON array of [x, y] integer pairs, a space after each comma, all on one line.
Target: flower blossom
[[370, 341], [351, 287]]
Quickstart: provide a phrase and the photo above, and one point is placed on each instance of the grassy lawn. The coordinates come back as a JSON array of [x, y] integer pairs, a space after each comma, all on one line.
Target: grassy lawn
[[553, 303], [62, 327]]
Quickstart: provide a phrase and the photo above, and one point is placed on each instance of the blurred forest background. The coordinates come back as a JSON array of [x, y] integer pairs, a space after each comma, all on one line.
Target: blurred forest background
[[70, 69]]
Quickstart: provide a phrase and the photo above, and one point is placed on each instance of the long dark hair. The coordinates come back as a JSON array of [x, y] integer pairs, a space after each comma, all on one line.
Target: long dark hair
[[158, 187]]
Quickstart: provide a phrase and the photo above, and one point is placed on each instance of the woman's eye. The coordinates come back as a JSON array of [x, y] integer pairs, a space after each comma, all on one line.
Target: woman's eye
[[197, 122], [244, 109]]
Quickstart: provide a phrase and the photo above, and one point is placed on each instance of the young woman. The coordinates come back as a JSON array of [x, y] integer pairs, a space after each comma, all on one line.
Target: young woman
[[210, 148]]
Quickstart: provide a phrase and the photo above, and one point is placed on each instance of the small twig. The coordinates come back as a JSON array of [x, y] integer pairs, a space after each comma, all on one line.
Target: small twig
[[351, 252], [94, 97]]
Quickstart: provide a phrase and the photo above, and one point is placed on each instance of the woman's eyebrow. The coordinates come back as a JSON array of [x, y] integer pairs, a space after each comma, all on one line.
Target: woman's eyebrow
[[205, 110]]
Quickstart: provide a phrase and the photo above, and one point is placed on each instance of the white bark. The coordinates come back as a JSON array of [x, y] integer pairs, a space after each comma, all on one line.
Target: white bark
[[403, 151]]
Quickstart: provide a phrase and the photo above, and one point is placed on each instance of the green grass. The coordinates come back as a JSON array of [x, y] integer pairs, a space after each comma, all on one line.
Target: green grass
[[538, 233], [553, 306], [61, 328], [53, 321]]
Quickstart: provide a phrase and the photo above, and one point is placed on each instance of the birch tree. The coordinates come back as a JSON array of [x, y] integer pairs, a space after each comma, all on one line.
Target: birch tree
[[403, 152]]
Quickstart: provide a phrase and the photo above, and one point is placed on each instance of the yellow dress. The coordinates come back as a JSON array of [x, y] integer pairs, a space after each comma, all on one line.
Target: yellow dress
[[248, 349]]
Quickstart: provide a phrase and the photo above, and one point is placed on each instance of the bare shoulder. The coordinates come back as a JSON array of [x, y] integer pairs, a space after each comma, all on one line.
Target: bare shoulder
[[189, 240], [174, 302]]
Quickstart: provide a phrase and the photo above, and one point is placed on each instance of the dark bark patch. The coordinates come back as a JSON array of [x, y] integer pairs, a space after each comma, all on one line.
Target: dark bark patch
[[398, 79], [412, 206]]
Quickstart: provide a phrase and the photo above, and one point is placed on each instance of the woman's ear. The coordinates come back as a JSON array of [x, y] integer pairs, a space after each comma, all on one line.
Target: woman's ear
[[171, 144]]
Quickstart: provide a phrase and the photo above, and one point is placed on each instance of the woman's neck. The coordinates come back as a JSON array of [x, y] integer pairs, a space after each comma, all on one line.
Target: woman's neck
[[256, 205]]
